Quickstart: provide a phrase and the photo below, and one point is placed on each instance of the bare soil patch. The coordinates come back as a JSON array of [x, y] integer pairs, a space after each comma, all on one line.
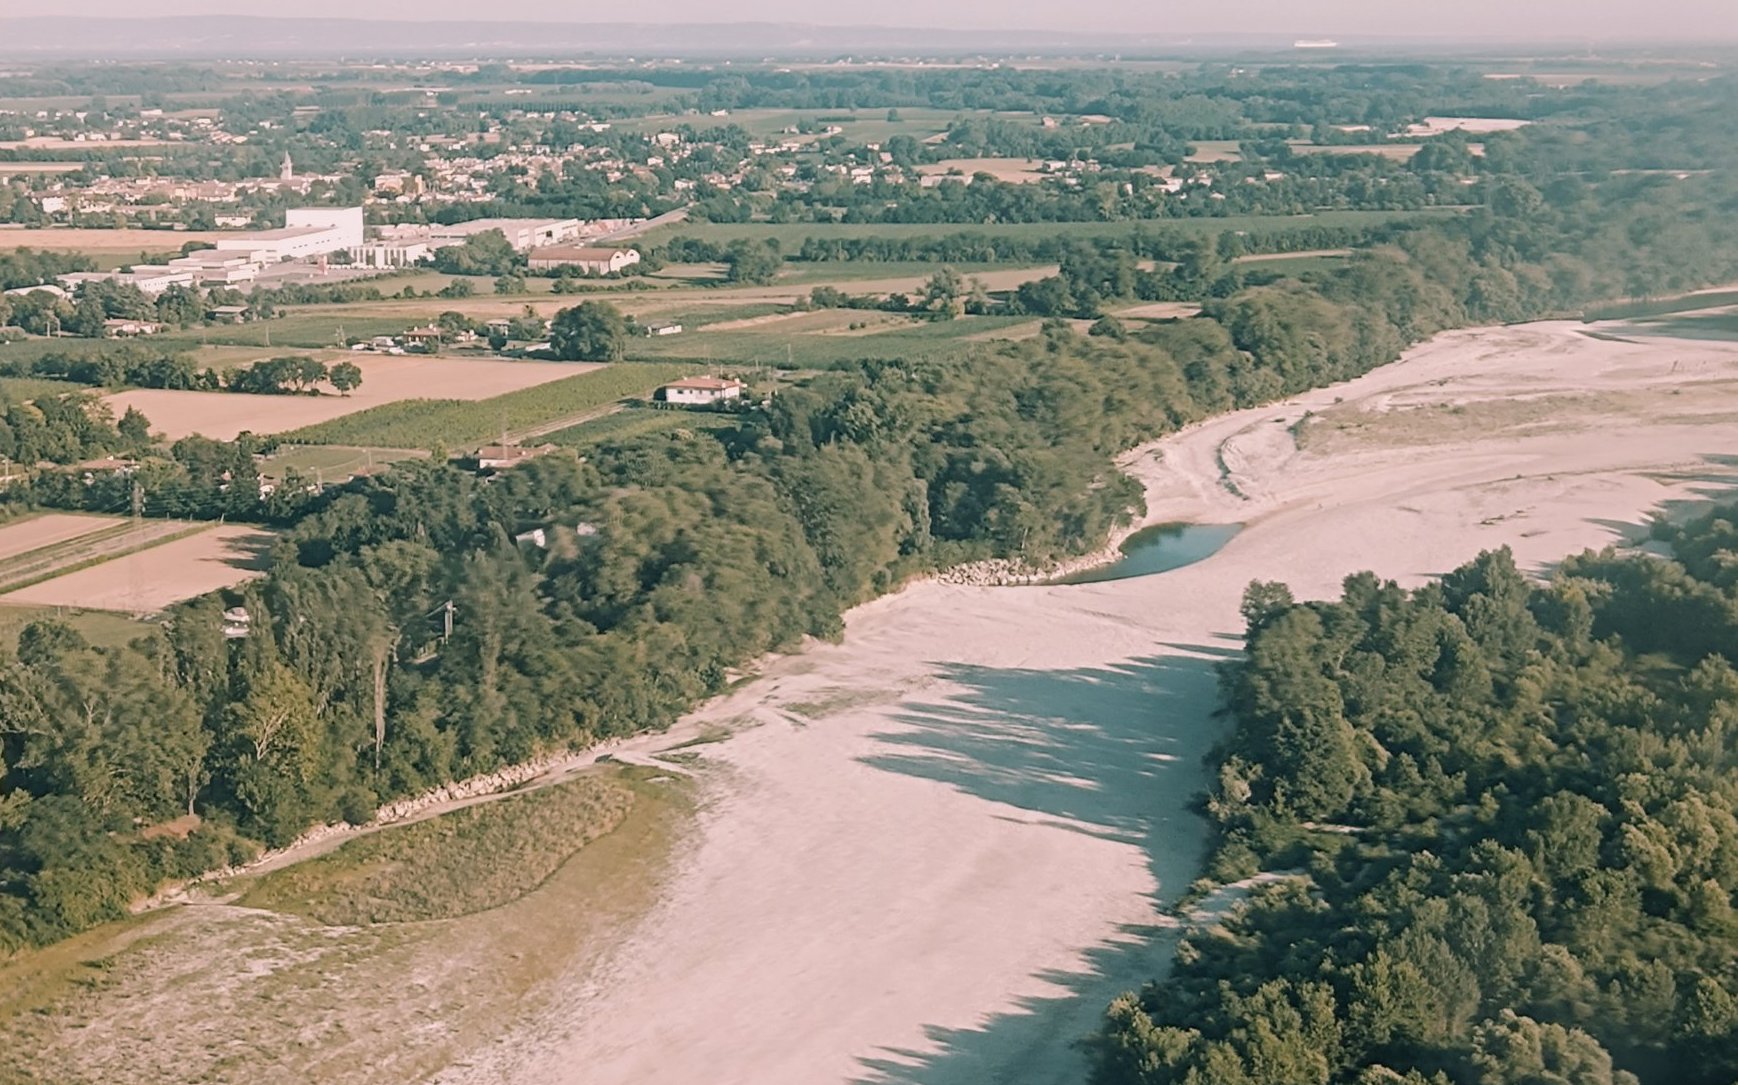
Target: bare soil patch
[[1011, 170], [385, 379], [149, 580], [22, 536]]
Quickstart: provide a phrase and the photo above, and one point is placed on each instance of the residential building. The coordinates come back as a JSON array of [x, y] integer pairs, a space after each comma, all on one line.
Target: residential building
[[701, 391]]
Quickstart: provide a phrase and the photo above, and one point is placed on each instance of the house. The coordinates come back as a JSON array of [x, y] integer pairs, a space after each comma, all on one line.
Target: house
[[701, 391], [595, 261], [497, 457], [428, 338], [117, 329]]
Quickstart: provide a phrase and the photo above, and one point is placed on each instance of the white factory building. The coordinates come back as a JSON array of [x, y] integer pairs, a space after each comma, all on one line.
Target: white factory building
[[307, 231], [523, 234], [153, 279]]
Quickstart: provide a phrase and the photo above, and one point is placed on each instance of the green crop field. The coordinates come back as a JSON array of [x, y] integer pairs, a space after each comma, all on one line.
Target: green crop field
[[452, 423]]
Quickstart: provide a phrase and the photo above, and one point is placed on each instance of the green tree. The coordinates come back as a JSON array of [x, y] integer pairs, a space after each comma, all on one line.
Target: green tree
[[346, 377], [592, 331]]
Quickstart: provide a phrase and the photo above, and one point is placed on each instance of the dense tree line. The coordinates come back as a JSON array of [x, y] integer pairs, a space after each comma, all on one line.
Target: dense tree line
[[142, 366], [1532, 836]]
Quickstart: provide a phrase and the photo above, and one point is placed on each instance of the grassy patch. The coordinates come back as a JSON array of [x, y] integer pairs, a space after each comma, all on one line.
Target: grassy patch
[[132, 1002], [103, 628], [332, 461], [424, 423], [23, 389], [628, 425], [773, 346], [469, 861]]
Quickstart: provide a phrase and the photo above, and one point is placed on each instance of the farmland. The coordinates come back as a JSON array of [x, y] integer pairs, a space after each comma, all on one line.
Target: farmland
[[833, 342], [98, 243], [385, 380], [427, 423], [23, 389], [790, 236], [149, 579], [21, 537]]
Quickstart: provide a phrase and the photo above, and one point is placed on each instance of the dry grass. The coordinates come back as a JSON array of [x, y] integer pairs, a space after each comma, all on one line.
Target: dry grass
[[469, 861], [218, 993], [1011, 170], [127, 241]]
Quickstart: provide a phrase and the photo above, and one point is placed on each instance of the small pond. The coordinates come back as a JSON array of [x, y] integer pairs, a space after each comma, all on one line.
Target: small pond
[[1159, 549]]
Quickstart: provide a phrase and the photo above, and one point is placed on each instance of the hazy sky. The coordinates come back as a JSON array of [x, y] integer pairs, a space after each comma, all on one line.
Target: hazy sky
[[1678, 19]]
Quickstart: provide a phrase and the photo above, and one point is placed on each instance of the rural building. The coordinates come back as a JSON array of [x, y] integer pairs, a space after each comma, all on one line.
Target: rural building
[[594, 261], [150, 278], [46, 288], [664, 329], [497, 457], [121, 329], [429, 338], [701, 391], [391, 253], [523, 234], [218, 267], [226, 314]]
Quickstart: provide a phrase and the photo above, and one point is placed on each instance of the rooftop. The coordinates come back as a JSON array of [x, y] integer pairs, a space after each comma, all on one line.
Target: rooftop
[[706, 384]]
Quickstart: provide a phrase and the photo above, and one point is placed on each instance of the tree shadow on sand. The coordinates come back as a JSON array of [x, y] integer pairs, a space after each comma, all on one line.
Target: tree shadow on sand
[[1112, 751]]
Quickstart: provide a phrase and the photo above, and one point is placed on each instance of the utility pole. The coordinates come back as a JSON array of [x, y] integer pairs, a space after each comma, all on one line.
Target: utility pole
[[133, 579]]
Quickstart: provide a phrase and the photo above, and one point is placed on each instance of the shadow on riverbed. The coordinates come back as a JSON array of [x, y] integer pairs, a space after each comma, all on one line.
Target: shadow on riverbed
[[1113, 751]]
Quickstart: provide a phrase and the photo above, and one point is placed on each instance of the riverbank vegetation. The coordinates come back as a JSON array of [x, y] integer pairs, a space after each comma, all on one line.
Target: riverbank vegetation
[[471, 860], [1516, 815]]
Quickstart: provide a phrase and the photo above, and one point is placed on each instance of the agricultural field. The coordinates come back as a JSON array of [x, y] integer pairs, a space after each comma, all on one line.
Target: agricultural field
[[791, 235], [454, 423], [147, 580], [16, 169], [1013, 170], [1215, 150], [865, 126], [830, 339], [21, 537], [100, 243], [385, 380], [333, 462], [44, 547]]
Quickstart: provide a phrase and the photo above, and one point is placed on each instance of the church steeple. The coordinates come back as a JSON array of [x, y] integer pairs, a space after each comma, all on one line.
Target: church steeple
[[288, 169]]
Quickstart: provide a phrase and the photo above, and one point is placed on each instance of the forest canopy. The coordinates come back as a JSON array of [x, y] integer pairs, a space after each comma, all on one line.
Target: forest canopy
[[1512, 813]]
